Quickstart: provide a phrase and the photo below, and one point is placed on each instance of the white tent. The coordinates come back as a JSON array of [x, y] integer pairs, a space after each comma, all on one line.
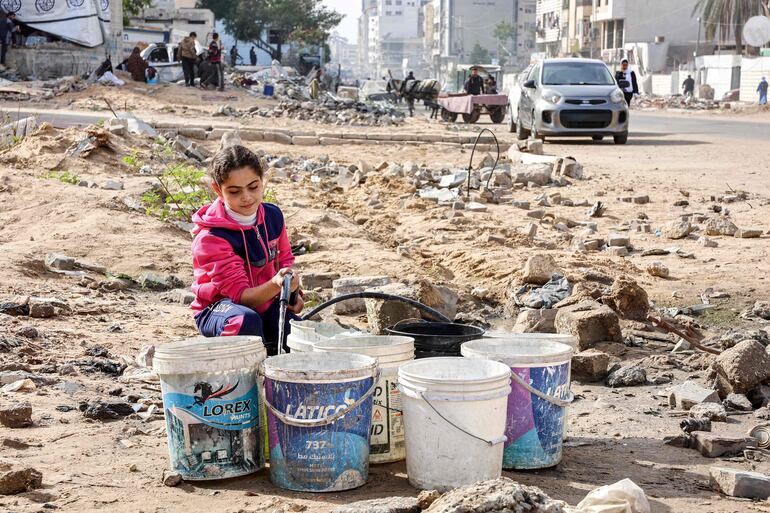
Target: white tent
[[84, 22]]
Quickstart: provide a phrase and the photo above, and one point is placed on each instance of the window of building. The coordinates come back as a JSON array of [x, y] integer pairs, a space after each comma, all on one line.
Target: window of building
[[388, 2], [388, 13], [398, 2], [399, 13]]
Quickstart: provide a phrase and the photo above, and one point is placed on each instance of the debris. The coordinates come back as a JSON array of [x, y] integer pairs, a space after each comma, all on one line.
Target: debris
[[104, 411], [113, 185], [720, 226], [426, 498], [761, 434], [41, 307], [597, 210], [658, 269], [621, 497], [713, 411], [145, 356], [740, 483], [712, 445], [677, 229], [589, 322], [156, 282], [590, 365], [496, 495], [137, 126], [628, 376], [706, 242], [16, 415], [384, 505], [748, 233], [618, 240], [59, 261], [171, 478], [689, 393], [16, 478], [539, 269], [531, 320], [738, 402], [383, 314], [691, 425], [762, 309], [98, 352], [742, 367], [628, 299], [353, 285], [760, 396]]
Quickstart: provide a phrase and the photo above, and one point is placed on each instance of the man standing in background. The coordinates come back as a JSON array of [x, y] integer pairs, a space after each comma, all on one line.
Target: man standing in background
[[762, 90], [188, 55], [253, 56], [215, 58], [689, 86], [626, 80]]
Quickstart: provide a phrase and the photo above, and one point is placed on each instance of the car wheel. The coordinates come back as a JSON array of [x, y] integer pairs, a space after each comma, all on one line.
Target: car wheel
[[597, 137], [621, 139], [521, 132]]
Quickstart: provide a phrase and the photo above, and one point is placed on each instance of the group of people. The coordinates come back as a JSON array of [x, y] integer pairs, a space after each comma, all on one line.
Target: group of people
[[10, 33]]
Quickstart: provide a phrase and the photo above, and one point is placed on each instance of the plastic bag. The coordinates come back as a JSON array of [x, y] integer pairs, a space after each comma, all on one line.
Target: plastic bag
[[622, 497]]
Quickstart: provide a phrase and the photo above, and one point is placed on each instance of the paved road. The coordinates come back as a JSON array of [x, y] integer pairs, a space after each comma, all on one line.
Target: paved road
[[643, 124]]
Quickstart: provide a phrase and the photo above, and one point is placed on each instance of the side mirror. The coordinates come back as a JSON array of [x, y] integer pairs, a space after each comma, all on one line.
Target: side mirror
[[530, 84]]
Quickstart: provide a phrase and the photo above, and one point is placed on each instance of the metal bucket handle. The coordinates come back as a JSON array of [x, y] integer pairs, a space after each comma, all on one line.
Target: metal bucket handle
[[403, 321], [562, 403], [331, 419], [495, 441]]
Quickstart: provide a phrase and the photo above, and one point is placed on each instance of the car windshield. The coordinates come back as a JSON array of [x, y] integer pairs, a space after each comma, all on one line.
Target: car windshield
[[576, 73]]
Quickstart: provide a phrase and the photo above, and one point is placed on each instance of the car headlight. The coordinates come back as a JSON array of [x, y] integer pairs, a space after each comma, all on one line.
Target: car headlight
[[617, 96], [551, 96]]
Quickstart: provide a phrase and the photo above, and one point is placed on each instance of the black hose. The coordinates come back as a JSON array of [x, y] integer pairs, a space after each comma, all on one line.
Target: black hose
[[377, 295], [473, 151]]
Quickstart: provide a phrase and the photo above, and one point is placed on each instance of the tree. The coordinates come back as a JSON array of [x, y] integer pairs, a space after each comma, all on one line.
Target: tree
[[300, 21], [721, 17], [479, 55], [133, 7], [504, 32]]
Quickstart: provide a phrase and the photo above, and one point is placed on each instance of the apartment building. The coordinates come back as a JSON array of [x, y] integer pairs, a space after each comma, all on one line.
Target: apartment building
[[389, 37]]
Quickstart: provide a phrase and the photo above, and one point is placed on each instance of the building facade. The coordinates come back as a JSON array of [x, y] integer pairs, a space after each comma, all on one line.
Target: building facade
[[343, 54], [393, 41], [174, 19]]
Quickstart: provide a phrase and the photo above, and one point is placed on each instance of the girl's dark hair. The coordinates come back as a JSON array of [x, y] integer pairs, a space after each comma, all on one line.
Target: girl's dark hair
[[231, 158]]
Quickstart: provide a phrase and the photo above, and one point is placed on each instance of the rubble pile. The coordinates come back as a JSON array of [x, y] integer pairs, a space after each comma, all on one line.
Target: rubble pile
[[676, 101]]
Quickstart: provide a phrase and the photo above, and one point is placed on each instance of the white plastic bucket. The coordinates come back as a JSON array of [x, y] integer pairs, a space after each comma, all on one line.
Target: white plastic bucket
[[305, 334], [454, 414], [539, 398], [535, 337], [386, 439], [211, 400], [319, 416]]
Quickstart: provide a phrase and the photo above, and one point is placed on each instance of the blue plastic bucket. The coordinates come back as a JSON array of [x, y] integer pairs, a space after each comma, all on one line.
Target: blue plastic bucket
[[268, 90], [539, 398], [211, 401], [319, 414]]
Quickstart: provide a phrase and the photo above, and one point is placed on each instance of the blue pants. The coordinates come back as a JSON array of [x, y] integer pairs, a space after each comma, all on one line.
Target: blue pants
[[225, 318]]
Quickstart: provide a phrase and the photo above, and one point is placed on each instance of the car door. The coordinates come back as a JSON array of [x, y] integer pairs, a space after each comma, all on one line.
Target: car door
[[514, 95], [527, 101]]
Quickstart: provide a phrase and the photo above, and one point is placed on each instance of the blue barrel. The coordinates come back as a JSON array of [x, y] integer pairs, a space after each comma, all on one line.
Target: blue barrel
[[268, 90], [319, 414]]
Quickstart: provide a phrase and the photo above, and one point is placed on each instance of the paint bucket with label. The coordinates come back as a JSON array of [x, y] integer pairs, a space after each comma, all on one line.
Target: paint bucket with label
[[539, 398], [211, 401], [387, 435], [319, 413], [454, 414]]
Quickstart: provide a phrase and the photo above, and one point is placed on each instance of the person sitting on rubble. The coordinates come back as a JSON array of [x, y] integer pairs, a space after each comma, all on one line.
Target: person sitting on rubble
[[137, 66], [241, 254]]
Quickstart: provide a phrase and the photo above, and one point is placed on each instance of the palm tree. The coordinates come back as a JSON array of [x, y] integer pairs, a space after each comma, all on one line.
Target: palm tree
[[721, 17]]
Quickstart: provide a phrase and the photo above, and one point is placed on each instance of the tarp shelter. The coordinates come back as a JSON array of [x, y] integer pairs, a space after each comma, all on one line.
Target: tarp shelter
[[84, 22]]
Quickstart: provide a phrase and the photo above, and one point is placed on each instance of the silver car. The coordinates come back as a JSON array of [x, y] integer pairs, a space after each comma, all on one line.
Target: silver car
[[567, 98]]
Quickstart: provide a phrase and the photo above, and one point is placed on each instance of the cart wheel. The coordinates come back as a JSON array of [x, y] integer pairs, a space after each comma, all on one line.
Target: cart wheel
[[497, 115], [449, 117], [472, 117]]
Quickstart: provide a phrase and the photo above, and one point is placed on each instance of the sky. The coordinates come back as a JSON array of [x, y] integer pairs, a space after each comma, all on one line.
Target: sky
[[352, 10]]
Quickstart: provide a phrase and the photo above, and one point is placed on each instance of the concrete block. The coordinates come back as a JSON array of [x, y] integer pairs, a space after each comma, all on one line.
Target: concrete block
[[252, 135], [305, 140], [331, 141], [689, 393], [589, 322], [192, 133], [355, 284], [590, 365], [712, 445], [318, 280], [740, 483]]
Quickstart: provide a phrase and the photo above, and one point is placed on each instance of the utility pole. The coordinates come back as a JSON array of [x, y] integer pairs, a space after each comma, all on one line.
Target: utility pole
[[697, 50]]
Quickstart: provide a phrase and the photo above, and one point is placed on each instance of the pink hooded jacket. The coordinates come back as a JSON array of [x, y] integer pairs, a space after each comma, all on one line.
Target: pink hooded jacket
[[229, 258]]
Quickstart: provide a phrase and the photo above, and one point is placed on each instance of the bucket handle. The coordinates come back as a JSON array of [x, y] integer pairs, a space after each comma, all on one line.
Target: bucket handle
[[403, 321], [556, 401], [495, 441], [331, 419]]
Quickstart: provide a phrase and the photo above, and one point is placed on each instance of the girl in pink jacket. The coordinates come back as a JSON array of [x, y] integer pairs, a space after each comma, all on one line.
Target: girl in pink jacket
[[241, 253]]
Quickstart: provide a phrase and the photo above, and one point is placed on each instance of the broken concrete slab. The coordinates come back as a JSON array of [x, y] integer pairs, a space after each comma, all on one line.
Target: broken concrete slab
[[539, 269], [748, 233], [720, 226], [689, 393], [589, 322], [740, 483], [628, 299], [712, 445], [658, 269], [352, 285], [590, 365], [136, 125], [318, 280], [618, 240], [761, 309], [712, 411], [677, 230], [383, 314], [16, 415], [628, 376], [16, 478], [738, 402], [742, 367], [383, 505], [59, 261], [532, 320]]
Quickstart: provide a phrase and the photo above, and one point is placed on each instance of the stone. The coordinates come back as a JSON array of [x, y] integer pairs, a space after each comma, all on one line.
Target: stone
[[530, 230], [496, 496], [677, 230], [712, 411], [535, 146], [706, 242], [628, 376], [712, 445], [618, 240], [41, 308], [180, 296], [738, 402], [742, 367], [475, 207], [628, 299], [171, 478], [619, 251], [16, 415], [113, 185], [352, 285], [536, 214], [383, 314], [16, 478], [762, 309], [641, 200], [230, 138], [305, 140], [427, 497], [658, 269], [590, 365], [318, 280], [383, 505], [589, 322], [145, 356], [740, 483], [535, 321], [748, 233], [440, 298], [720, 226], [539, 174], [539, 268], [59, 261], [689, 393], [152, 281]]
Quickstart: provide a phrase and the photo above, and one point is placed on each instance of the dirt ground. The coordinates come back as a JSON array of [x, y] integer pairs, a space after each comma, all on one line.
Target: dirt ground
[[612, 433]]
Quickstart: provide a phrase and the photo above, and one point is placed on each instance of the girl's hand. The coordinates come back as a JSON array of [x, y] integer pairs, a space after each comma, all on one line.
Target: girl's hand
[[278, 278], [297, 307]]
